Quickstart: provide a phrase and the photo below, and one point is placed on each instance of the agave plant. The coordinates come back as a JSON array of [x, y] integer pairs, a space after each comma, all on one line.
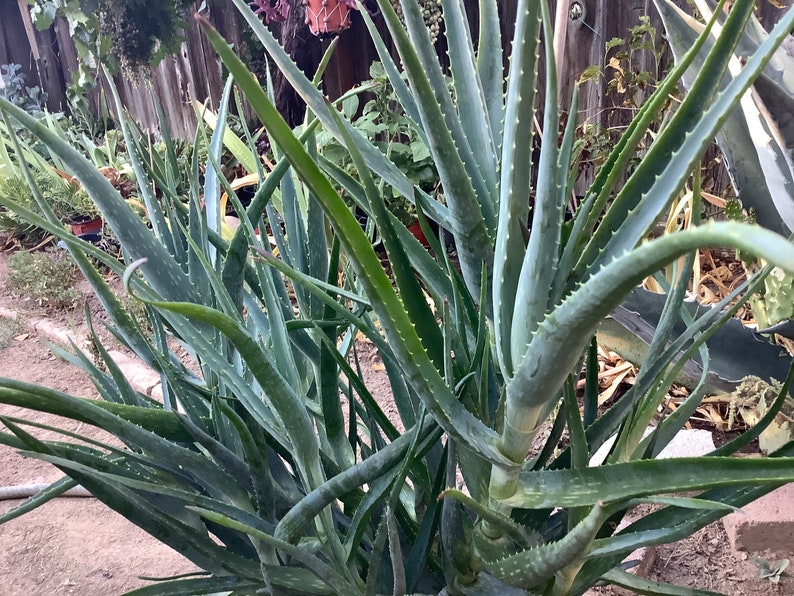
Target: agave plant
[[275, 469]]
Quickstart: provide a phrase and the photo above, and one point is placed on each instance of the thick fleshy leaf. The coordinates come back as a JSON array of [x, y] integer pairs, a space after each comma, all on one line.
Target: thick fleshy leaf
[[617, 482]]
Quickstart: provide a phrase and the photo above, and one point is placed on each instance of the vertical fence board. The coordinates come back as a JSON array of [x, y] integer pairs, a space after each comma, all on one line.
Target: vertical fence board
[[195, 73]]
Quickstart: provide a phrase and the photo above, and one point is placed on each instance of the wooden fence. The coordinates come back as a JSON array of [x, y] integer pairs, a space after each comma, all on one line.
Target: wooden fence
[[49, 57]]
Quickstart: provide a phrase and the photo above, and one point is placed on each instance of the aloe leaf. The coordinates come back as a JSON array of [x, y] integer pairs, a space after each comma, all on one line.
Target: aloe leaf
[[667, 525], [147, 193], [316, 102], [635, 479], [212, 193], [56, 489], [160, 453], [540, 258], [472, 211], [440, 118], [532, 567], [471, 104], [641, 585], [518, 533], [422, 548], [614, 169], [207, 585], [256, 458], [685, 503], [181, 536], [364, 472], [171, 162], [419, 369], [703, 328], [291, 410], [395, 78], [411, 292], [162, 271], [672, 173], [431, 273], [321, 570], [17, 393], [759, 164], [490, 67], [231, 141], [561, 338], [515, 179]]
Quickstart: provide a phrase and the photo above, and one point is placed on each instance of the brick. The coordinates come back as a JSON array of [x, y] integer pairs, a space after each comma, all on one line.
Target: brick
[[766, 524], [54, 333], [140, 376]]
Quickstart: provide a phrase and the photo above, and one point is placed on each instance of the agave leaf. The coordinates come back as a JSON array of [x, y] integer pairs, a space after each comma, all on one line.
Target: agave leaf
[[735, 350]]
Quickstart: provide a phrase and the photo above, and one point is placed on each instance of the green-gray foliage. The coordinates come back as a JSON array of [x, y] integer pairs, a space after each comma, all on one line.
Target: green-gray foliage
[[757, 142], [44, 277], [258, 471]]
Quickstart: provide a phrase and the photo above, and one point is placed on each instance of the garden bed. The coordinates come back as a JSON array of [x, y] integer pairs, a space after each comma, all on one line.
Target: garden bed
[[77, 545]]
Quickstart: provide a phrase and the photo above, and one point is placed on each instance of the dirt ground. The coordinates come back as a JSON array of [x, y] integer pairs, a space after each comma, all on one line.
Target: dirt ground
[[70, 545], [78, 546]]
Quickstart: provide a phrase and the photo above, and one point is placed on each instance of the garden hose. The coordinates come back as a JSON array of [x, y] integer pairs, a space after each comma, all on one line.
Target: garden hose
[[24, 491]]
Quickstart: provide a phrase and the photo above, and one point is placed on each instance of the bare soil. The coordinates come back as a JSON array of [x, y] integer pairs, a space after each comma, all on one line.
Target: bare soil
[[79, 546], [70, 545]]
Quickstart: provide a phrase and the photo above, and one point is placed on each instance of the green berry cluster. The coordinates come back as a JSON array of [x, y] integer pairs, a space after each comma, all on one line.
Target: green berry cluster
[[431, 13]]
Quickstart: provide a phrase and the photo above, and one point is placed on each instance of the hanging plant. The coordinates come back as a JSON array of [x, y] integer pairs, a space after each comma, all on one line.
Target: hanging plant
[[324, 17], [142, 32]]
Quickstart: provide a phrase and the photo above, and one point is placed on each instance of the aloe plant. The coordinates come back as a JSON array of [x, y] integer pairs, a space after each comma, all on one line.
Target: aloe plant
[[257, 470], [756, 142]]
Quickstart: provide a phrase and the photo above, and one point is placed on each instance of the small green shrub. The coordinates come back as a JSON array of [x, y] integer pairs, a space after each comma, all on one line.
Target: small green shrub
[[46, 277], [8, 327]]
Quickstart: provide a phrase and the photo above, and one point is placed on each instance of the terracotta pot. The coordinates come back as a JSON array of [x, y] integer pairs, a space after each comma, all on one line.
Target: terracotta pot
[[418, 233], [326, 17], [85, 225]]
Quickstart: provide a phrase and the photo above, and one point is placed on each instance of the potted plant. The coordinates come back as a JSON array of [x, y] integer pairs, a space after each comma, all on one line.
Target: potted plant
[[324, 17], [327, 17], [73, 205]]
